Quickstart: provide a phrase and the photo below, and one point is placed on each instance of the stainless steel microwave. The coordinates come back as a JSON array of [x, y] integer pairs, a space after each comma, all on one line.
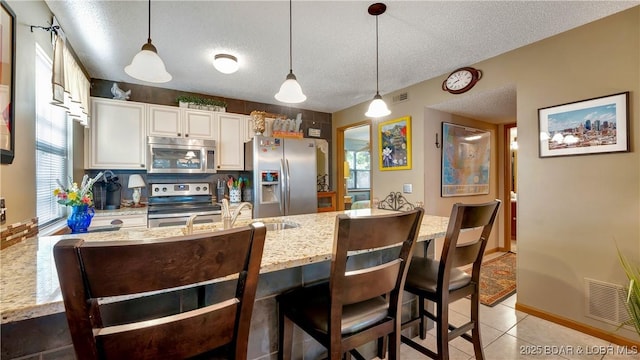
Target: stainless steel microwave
[[180, 156]]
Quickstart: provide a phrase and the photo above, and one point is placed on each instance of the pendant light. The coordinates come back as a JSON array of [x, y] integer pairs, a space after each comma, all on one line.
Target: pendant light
[[147, 65], [377, 108], [290, 91]]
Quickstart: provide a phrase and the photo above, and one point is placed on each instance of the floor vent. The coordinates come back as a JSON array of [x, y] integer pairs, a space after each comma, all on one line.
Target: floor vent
[[400, 97], [606, 301]]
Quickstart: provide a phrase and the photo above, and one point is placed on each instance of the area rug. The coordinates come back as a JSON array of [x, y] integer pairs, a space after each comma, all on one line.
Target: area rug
[[497, 279]]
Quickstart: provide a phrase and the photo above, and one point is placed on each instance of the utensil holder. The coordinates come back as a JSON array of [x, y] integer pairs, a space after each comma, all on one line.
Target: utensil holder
[[234, 195]]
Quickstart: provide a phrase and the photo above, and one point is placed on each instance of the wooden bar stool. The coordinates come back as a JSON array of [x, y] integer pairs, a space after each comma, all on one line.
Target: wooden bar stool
[[442, 282], [91, 270], [355, 306]]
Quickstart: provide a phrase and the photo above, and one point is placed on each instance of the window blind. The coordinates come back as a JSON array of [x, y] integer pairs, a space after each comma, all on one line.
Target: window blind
[[52, 145]]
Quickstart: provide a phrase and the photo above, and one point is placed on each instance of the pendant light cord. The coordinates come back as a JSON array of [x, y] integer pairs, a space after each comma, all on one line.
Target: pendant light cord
[[377, 80], [290, 40], [149, 29]]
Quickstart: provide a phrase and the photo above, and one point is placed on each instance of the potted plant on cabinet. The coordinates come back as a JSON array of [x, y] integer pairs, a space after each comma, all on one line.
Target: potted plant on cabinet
[[196, 102]]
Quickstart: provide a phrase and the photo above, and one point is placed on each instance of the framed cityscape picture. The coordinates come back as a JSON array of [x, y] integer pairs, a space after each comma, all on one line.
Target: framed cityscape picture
[[466, 155], [598, 125], [394, 138]]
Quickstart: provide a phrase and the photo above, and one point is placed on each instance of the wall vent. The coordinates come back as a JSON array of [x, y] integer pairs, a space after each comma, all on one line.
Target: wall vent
[[400, 97], [605, 301]]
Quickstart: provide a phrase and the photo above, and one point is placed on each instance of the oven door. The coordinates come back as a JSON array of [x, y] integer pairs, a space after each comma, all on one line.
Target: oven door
[[181, 220]]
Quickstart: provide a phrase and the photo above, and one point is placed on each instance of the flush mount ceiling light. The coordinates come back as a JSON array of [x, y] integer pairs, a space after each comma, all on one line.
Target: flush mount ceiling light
[[378, 107], [290, 91], [225, 63], [147, 65]]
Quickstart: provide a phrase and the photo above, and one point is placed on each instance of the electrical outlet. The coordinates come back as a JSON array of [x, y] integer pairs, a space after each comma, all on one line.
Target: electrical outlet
[[407, 188], [3, 211]]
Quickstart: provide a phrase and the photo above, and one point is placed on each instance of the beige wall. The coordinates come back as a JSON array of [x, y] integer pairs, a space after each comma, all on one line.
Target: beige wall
[[17, 180], [570, 209]]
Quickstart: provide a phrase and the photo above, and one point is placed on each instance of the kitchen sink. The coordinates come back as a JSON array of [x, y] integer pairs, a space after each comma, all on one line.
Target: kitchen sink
[[281, 225]]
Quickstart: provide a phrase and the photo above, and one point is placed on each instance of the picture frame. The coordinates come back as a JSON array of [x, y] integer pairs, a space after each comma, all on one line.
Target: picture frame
[[7, 82], [394, 140], [593, 126], [466, 160]]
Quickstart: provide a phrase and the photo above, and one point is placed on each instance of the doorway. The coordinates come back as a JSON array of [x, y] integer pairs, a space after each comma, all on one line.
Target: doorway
[[354, 185], [511, 186]]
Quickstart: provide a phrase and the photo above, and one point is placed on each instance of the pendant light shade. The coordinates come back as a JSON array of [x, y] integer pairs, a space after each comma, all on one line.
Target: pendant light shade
[[147, 65], [290, 91], [378, 107]]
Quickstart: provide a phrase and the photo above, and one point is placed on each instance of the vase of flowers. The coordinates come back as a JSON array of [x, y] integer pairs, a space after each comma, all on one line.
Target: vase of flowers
[[80, 198], [80, 218]]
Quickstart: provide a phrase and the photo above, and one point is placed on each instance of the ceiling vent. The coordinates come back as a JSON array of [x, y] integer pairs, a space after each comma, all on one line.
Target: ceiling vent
[[605, 302], [400, 98]]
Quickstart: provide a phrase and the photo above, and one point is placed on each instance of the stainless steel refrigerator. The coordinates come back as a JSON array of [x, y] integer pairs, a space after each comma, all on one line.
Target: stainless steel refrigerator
[[283, 176]]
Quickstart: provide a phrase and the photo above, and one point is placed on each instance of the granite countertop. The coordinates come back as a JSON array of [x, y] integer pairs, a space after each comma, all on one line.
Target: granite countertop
[[29, 279], [122, 211]]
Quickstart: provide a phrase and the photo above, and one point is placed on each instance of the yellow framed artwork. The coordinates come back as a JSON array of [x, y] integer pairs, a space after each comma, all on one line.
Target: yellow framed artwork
[[394, 139]]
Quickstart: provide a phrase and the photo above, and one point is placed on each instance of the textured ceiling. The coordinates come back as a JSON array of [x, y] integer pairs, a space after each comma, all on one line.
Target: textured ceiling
[[333, 43]]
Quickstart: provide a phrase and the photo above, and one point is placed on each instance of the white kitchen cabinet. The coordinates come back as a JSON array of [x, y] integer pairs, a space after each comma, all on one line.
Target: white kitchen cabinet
[[171, 121], [230, 139], [117, 136], [164, 121], [198, 124]]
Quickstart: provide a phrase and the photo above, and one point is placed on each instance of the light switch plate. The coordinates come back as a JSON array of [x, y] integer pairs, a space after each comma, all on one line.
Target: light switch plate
[[407, 188]]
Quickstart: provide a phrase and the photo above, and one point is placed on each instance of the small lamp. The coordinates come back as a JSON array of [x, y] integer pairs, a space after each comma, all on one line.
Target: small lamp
[[136, 182]]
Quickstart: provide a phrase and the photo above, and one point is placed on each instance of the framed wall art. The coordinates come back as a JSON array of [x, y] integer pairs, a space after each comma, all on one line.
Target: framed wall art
[[7, 80], [466, 155], [593, 126], [394, 138]]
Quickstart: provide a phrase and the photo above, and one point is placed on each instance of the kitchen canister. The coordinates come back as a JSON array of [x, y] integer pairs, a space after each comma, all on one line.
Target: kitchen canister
[[234, 195], [246, 194]]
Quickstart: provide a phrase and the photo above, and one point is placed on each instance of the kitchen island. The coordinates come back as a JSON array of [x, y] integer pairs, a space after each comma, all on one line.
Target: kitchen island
[[291, 257]]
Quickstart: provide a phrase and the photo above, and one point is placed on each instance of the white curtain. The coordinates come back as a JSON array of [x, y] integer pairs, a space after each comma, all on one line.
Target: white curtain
[[70, 85]]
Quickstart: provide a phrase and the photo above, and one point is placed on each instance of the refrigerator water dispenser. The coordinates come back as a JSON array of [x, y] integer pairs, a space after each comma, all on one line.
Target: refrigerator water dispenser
[[269, 187]]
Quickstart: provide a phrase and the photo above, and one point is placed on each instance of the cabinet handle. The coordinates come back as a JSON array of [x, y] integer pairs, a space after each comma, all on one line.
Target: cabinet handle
[[141, 165], [186, 135], [178, 134]]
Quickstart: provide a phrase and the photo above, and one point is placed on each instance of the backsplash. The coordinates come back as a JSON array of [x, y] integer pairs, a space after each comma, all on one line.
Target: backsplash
[[126, 193]]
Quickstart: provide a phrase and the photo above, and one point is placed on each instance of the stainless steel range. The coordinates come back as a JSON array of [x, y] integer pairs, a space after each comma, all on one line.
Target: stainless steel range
[[173, 204]]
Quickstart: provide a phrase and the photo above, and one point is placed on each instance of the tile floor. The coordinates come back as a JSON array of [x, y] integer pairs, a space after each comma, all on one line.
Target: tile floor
[[509, 334]]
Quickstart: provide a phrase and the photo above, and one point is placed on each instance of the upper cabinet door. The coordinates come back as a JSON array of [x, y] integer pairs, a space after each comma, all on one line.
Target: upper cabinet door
[[230, 141], [118, 134], [199, 124], [165, 121]]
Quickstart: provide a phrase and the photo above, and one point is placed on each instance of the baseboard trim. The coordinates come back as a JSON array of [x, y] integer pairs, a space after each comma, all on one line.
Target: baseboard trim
[[589, 330], [491, 251]]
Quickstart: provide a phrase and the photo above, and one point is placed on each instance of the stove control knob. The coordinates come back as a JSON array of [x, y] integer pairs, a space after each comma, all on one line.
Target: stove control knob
[[197, 188], [156, 189], [164, 189], [204, 188]]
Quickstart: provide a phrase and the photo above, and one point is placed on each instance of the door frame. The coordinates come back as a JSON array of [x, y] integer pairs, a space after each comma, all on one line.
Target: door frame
[[507, 185], [340, 184]]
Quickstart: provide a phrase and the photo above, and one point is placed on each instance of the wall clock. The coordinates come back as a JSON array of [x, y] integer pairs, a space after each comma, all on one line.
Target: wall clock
[[461, 80]]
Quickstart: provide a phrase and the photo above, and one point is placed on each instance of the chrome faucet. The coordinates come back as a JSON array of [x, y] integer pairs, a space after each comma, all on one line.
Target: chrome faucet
[[190, 224], [228, 218]]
